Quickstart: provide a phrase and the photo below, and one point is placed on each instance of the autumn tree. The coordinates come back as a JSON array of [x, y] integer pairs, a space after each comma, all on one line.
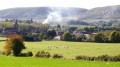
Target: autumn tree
[[14, 44]]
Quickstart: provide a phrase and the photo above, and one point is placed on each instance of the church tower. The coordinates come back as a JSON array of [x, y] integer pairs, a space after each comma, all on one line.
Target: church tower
[[16, 24]]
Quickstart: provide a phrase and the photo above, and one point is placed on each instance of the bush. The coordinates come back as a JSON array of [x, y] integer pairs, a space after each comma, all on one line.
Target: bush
[[81, 57], [57, 56], [42, 54], [29, 54], [2, 52], [14, 44], [23, 54], [7, 49], [99, 58]]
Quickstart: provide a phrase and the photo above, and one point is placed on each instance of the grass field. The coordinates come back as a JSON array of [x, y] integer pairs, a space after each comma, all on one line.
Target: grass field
[[6, 61], [74, 49]]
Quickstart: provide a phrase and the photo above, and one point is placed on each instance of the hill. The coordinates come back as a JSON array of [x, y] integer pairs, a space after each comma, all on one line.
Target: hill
[[108, 12], [62, 14], [39, 12]]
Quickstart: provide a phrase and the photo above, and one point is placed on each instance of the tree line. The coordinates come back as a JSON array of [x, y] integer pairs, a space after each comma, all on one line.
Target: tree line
[[102, 37]]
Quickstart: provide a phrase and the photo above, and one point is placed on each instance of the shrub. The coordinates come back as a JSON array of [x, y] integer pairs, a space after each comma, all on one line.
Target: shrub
[[57, 56], [14, 44], [2, 52], [23, 54], [42, 54], [99, 58], [29, 54], [103, 58], [81, 57], [7, 49]]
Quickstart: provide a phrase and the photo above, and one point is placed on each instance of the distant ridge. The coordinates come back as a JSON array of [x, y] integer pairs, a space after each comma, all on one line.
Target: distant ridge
[[39, 12], [108, 12]]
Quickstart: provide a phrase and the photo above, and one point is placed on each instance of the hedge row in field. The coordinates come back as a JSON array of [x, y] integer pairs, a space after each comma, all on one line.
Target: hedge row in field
[[99, 58]]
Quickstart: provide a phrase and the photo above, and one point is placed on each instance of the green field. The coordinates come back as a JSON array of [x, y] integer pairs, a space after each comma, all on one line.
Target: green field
[[6, 61], [74, 49]]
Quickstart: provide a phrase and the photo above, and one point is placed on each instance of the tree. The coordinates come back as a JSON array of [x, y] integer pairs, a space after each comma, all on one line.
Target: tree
[[91, 29], [67, 36], [14, 44], [45, 37], [99, 37], [71, 29], [114, 36], [58, 26], [79, 39], [51, 34]]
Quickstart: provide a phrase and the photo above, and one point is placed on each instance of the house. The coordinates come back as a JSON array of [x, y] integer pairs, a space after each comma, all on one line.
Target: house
[[77, 33], [60, 33], [57, 38]]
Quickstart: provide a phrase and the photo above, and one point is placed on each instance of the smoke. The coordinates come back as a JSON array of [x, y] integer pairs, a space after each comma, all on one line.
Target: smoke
[[54, 17], [58, 16]]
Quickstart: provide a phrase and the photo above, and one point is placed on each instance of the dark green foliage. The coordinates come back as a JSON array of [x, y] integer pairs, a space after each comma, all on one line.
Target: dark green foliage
[[91, 29], [42, 54], [29, 54], [73, 39], [23, 54], [108, 36], [41, 34], [79, 39], [17, 47], [99, 37], [33, 37], [51, 34], [99, 58], [57, 56], [67, 36], [45, 37], [14, 45], [71, 29], [58, 27], [114, 36]]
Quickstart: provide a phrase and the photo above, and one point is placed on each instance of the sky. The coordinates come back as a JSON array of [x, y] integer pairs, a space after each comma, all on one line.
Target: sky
[[88, 4]]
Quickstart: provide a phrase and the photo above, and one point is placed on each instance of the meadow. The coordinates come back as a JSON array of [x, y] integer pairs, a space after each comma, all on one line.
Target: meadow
[[74, 49]]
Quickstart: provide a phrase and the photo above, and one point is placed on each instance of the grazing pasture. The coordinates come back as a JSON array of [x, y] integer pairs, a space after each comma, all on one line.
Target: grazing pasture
[[68, 50], [71, 49]]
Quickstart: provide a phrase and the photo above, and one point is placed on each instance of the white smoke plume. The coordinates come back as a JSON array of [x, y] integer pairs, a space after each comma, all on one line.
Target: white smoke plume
[[58, 16], [53, 17]]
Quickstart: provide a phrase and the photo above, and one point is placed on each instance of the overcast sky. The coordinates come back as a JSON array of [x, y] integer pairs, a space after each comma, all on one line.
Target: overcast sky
[[4, 4]]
